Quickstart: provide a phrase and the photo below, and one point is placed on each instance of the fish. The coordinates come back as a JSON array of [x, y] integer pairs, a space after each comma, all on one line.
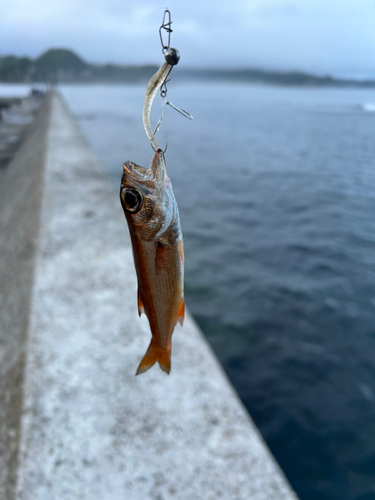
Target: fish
[[154, 225]]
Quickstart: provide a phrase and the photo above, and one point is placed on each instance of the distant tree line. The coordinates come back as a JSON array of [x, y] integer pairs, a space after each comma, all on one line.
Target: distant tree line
[[61, 65]]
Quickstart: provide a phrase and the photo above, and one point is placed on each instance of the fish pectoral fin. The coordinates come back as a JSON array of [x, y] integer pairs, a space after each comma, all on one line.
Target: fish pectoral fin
[[181, 312], [155, 354], [160, 257], [141, 307]]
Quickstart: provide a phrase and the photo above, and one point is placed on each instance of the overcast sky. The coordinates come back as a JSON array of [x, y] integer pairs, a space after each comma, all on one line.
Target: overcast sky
[[322, 36]]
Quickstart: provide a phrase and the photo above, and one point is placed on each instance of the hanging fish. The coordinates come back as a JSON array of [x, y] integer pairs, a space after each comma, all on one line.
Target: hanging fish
[[152, 214], [154, 224]]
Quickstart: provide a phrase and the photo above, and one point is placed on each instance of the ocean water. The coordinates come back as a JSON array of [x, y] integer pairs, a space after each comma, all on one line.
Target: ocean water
[[276, 190]]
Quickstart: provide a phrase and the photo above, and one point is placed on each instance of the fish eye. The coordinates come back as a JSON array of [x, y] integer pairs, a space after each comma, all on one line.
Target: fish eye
[[131, 199]]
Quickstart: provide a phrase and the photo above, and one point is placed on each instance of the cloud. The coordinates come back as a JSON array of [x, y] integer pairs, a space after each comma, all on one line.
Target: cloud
[[312, 35]]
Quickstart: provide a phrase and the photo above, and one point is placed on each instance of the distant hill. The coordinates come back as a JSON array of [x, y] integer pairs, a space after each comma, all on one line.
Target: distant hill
[[62, 65]]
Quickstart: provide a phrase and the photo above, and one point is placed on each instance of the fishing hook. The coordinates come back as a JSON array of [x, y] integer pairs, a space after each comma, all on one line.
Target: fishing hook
[[157, 150], [184, 113]]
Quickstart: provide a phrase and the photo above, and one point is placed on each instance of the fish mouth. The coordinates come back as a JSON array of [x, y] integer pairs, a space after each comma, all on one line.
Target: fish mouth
[[140, 173], [136, 171]]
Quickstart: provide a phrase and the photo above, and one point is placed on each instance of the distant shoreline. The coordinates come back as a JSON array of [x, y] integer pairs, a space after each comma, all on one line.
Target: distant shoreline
[[64, 66]]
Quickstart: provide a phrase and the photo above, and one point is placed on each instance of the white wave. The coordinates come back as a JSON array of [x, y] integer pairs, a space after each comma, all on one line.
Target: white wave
[[368, 106]]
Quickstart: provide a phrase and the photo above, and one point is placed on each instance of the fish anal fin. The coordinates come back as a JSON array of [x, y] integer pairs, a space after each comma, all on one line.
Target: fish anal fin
[[181, 312], [153, 354], [160, 256], [141, 307]]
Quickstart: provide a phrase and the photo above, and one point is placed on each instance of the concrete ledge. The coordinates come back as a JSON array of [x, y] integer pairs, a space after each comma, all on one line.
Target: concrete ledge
[[16, 115], [90, 428], [20, 200]]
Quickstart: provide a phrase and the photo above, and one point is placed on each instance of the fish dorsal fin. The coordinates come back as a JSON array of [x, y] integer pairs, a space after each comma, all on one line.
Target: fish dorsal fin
[[181, 312], [141, 307]]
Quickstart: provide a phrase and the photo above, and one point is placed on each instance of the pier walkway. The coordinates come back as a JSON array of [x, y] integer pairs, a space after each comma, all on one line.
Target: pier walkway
[[86, 427]]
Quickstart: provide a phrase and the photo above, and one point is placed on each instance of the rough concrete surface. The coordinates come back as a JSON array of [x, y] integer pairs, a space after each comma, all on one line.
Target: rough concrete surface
[[90, 428], [15, 117], [20, 200]]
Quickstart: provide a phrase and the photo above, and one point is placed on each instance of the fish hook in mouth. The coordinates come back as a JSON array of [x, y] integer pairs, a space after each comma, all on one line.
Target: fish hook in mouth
[[160, 150]]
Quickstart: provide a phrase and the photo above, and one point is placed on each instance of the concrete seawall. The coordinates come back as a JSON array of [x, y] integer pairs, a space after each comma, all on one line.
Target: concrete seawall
[[21, 188], [78, 424]]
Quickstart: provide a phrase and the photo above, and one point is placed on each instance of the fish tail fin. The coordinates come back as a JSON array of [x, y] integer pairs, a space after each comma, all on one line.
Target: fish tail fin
[[154, 354], [165, 360]]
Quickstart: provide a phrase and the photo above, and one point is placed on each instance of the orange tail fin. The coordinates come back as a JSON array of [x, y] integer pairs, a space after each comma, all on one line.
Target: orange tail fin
[[153, 354]]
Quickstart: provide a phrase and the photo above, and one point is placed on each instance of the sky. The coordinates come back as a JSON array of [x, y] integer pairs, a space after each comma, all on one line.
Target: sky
[[334, 37]]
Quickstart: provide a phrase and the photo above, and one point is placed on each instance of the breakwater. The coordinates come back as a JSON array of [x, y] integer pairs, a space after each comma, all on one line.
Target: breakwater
[[82, 426]]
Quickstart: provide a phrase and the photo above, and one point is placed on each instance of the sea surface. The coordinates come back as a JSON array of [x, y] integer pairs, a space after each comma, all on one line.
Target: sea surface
[[276, 190]]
